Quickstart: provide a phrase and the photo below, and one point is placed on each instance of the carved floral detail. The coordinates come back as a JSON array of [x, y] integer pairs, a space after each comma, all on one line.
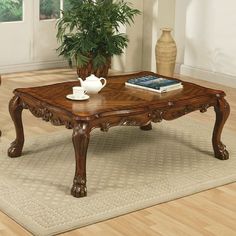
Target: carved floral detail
[[187, 109], [47, 116], [25, 106], [68, 125], [128, 122], [226, 105], [156, 115], [170, 104], [223, 105], [204, 108], [105, 126]]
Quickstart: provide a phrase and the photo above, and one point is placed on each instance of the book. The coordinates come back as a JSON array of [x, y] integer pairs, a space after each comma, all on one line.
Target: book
[[161, 90], [154, 83]]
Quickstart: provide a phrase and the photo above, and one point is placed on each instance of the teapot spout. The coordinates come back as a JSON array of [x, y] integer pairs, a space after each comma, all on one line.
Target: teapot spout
[[81, 82]]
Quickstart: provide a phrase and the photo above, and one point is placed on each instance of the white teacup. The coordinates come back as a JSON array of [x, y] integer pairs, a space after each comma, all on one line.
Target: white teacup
[[78, 92]]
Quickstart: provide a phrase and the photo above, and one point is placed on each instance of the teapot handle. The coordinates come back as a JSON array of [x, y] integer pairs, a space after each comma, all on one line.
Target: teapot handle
[[105, 82]]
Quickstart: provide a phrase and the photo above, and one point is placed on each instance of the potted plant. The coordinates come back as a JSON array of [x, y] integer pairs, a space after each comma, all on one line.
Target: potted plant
[[89, 36]]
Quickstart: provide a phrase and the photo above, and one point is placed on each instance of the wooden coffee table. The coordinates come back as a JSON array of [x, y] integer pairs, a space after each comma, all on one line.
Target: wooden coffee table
[[115, 105]]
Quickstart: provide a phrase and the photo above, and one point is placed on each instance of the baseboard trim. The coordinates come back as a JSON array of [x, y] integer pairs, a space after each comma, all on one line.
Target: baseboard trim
[[32, 66], [210, 76]]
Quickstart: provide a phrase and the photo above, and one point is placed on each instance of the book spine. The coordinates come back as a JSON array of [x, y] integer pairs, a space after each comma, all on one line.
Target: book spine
[[142, 87], [170, 86], [162, 90]]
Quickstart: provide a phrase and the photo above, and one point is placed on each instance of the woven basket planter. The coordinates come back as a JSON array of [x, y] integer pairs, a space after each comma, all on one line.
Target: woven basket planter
[[87, 70]]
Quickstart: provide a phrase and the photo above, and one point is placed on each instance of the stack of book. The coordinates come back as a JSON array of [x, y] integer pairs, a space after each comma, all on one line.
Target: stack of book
[[154, 83]]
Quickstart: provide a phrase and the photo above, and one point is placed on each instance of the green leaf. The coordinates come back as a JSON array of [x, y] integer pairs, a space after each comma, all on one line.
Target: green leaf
[[81, 60], [91, 30], [99, 60]]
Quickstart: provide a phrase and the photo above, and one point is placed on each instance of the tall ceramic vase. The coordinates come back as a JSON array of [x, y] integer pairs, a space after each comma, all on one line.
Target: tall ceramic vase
[[166, 53]]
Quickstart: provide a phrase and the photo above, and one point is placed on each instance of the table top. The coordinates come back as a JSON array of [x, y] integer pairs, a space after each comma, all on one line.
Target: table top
[[115, 97]]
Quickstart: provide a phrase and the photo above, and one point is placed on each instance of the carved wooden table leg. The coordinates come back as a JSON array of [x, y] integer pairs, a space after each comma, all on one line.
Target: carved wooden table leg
[[146, 127], [15, 109], [80, 138], [222, 111]]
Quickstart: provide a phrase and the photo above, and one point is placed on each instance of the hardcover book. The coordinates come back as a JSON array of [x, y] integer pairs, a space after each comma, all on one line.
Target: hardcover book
[[153, 83]]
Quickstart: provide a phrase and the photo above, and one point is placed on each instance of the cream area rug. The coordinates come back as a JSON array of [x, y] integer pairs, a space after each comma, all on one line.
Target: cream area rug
[[127, 169]]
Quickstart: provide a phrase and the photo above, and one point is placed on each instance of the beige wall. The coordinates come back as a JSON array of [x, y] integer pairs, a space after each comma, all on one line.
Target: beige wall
[[29, 44], [205, 35], [131, 60], [181, 7], [140, 54], [150, 32], [204, 31], [157, 14]]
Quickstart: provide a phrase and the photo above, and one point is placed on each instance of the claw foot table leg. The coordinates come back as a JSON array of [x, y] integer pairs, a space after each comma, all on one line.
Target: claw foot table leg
[[80, 138], [222, 111], [15, 109]]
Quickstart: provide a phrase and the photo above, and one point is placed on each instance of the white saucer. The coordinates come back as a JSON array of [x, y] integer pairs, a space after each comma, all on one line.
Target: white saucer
[[72, 97]]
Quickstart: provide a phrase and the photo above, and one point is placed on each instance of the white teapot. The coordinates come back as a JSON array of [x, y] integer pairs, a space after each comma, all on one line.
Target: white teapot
[[92, 84]]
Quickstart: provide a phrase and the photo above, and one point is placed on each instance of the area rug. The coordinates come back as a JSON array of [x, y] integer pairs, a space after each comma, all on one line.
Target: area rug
[[127, 170]]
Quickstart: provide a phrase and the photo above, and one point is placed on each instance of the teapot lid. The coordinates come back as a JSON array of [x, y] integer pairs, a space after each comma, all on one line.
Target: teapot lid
[[92, 77]]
